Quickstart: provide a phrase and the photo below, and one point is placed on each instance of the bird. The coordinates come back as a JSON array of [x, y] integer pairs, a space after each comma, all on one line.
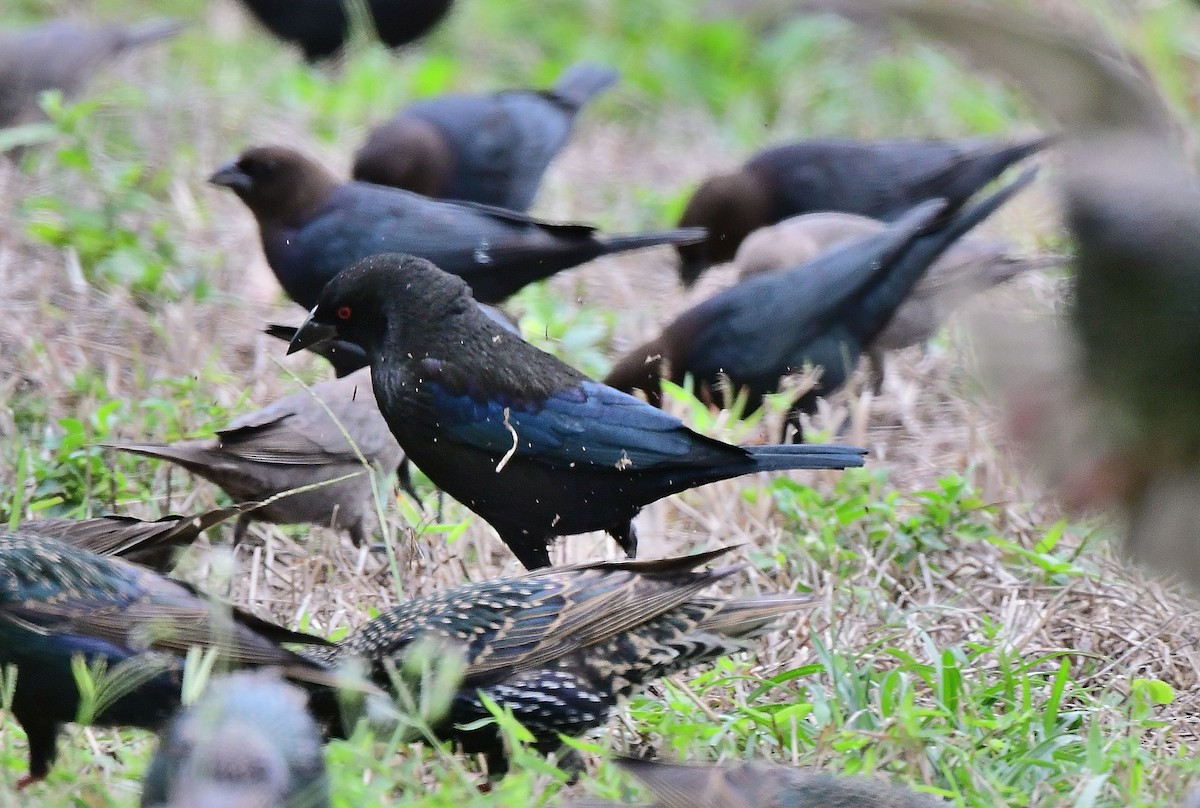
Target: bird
[[249, 742], [823, 313], [491, 149], [970, 265], [760, 785], [561, 646], [314, 226], [321, 27], [529, 443], [295, 443], [148, 543], [881, 179], [58, 602], [63, 55], [1108, 403]]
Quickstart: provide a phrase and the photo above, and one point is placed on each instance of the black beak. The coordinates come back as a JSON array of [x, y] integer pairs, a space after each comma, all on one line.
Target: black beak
[[232, 177], [310, 333]]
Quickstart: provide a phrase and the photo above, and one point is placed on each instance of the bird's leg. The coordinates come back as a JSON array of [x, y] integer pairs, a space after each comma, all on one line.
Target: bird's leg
[[405, 481], [875, 370], [625, 536], [240, 527], [27, 781], [41, 738]]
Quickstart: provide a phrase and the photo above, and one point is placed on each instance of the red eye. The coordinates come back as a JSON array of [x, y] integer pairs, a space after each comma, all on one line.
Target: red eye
[[344, 313]]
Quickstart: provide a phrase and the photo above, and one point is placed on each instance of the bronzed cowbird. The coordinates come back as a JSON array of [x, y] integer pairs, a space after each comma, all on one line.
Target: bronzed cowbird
[[526, 441]]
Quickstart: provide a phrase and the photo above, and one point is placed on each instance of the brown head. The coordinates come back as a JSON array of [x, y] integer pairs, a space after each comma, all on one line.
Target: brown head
[[280, 185], [730, 207], [406, 153], [642, 369]]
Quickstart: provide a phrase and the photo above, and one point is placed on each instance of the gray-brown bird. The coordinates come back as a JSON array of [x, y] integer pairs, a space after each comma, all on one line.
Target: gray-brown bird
[[971, 265], [249, 742], [761, 785], [295, 443], [63, 55]]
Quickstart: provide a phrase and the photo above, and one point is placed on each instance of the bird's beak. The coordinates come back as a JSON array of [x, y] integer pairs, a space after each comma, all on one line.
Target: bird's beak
[[232, 177], [310, 333]]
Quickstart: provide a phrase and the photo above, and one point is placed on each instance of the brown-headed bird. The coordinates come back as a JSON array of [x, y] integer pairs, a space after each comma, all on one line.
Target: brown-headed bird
[[761, 785], [59, 603], [313, 226], [969, 266], [560, 647], [822, 314], [881, 179], [295, 443], [249, 742], [321, 27], [149, 543], [492, 149], [63, 55], [524, 440]]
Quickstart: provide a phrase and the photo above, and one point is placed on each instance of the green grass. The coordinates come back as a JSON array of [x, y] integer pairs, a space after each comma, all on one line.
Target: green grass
[[907, 667]]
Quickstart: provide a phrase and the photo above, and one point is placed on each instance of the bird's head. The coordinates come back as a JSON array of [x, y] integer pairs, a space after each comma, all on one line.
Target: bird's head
[[390, 300], [278, 184], [730, 207]]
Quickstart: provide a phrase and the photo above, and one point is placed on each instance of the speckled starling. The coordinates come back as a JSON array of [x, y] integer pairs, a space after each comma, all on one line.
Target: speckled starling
[[248, 743], [59, 603], [560, 646], [151, 544]]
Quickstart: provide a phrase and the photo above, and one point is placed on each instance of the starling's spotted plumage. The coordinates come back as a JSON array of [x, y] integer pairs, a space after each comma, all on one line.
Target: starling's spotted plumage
[[763, 785], [559, 647], [58, 602], [248, 743], [151, 544]]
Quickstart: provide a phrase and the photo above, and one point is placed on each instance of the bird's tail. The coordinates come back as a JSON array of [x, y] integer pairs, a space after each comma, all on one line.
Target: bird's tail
[[785, 456], [748, 618], [881, 302], [1008, 154], [195, 456], [635, 241], [143, 33], [581, 82]]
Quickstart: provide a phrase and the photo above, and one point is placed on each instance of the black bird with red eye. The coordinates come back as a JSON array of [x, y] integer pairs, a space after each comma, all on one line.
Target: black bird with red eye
[[529, 443]]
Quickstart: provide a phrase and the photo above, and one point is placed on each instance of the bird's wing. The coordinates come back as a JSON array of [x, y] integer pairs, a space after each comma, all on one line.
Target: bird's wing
[[587, 424], [762, 326]]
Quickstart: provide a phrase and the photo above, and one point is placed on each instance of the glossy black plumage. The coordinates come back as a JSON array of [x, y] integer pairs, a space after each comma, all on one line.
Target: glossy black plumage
[[320, 27], [314, 226], [63, 55], [881, 179], [761, 785], [57, 602], [527, 442], [561, 646], [151, 544], [249, 742], [492, 149], [823, 313], [294, 443]]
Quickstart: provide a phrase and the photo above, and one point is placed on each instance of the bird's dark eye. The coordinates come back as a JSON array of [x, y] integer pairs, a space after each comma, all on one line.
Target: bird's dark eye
[[344, 313]]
